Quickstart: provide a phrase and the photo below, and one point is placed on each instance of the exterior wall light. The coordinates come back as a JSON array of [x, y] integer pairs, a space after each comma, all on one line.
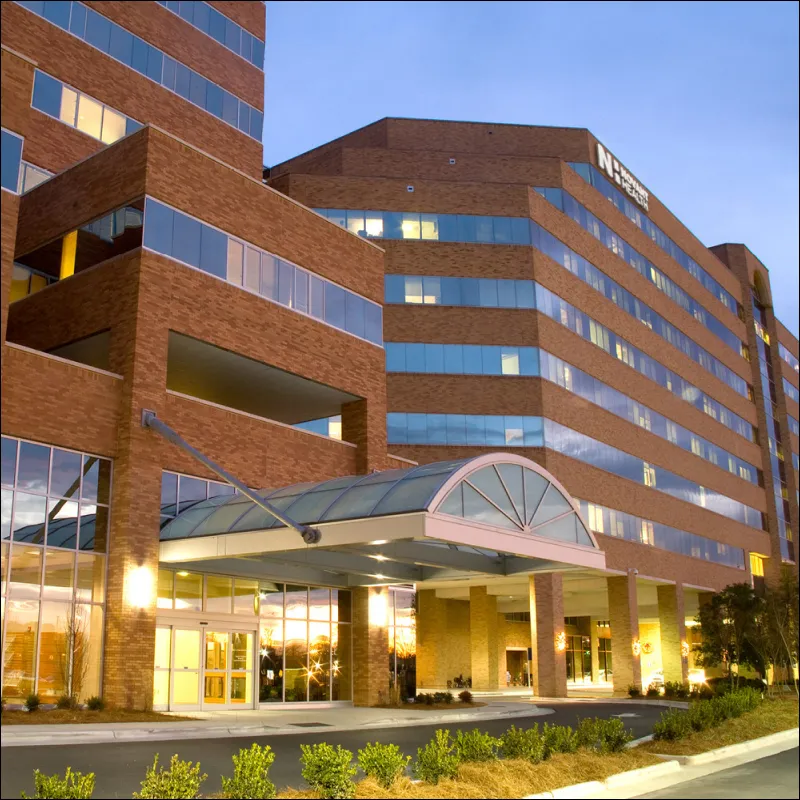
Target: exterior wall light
[[139, 587], [378, 608], [637, 648], [561, 642], [647, 648], [685, 649]]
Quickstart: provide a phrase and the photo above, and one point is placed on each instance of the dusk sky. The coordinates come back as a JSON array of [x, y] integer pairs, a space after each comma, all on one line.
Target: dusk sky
[[699, 100]]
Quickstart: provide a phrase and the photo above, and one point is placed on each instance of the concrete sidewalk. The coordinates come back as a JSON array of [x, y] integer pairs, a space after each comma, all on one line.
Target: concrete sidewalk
[[227, 724]]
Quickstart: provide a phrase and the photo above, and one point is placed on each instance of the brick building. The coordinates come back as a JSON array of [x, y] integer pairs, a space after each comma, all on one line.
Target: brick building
[[560, 510]]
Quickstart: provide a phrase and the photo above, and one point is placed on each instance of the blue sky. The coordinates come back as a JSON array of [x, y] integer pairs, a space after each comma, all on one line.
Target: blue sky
[[699, 100]]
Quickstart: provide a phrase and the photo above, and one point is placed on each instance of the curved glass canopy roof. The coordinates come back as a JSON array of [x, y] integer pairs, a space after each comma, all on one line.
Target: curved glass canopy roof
[[510, 493]]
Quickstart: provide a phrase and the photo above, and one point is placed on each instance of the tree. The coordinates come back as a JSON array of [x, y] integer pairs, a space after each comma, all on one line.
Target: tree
[[781, 621], [727, 624], [74, 663]]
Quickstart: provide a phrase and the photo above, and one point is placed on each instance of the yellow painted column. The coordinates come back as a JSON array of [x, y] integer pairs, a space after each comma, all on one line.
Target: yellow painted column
[[69, 246]]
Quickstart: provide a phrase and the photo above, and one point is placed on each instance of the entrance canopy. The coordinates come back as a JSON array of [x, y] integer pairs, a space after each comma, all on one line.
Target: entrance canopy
[[494, 515]]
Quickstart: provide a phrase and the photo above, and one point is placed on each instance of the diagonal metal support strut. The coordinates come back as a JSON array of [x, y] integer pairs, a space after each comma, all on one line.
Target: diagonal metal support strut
[[150, 420]]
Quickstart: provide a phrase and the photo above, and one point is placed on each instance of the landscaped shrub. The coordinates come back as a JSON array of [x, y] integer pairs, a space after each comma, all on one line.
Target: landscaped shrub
[[442, 697], [67, 701], [524, 744], [723, 685], [465, 696], [476, 746], [426, 699], [250, 774], [328, 771], [603, 735], [559, 739], [95, 703], [701, 692], [675, 690], [703, 716], [437, 759], [634, 691], [674, 724], [181, 780], [32, 702], [73, 786], [383, 762], [653, 691]]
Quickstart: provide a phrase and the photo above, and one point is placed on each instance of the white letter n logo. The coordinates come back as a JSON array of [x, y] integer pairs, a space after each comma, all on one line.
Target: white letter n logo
[[605, 160]]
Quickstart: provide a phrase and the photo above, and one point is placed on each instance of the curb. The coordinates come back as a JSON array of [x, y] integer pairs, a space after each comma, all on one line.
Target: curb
[[672, 768], [55, 737], [791, 737]]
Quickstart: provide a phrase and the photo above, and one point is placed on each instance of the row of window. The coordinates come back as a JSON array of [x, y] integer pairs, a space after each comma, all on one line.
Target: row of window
[[458, 359], [791, 391], [110, 38], [788, 357], [600, 282], [206, 18], [593, 176], [589, 222], [174, 234], [521, 431], [179, 492], [794, 425], [578, 322], [501, 293], [635, 529], [78, 110], [10, 159]]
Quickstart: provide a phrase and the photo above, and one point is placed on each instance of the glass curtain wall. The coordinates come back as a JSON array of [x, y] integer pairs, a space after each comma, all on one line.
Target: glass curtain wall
[[402, 618], [55, 512]]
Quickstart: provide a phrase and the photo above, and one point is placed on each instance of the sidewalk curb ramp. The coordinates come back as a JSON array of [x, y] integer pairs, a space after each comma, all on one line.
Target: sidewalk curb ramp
[[676, 769]]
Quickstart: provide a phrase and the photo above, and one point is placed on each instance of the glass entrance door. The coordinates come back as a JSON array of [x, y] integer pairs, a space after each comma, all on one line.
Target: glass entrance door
[[241, 677], [216, 668]]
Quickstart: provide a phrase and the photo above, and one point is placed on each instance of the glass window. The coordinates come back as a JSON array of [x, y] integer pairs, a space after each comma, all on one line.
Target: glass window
[[186, 240], [169, 68], [285, 283], [230, 109], [183, 79], [114, 125], [59, 570], [65, 474], [197, 89], [19, 654], [90, 578], [69, 106], [11, 157], [62, 523], [296, 657], [158, 225], [98, 30], [121, 45], [354, 314], [219, 593], [296, 602], [188, 592], [213, 251], [26, 571], [235, 271], [9, 460], [245, 596], [96, 479], [252, 269], [191, 490], [34, 466], [319, 601], [334, 305], [271, 662], [271, 599], [139, 54]]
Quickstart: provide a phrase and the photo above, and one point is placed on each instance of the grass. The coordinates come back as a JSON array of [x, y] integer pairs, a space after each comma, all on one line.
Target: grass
[[505, 778], [58, 716], [772, 716]]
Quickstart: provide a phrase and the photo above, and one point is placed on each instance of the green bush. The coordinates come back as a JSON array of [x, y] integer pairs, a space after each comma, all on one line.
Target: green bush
[[603, 735], [427, 699], [181, 780], [476, 746], [442, 697], [653, 691], [674, 724], [703, 716], [702, 692], [95, 703], [465, 696], [675, 690], [559, 739], [328, 771], [73, 786], [32, 702], [634, 691], [527, 745], [383, 762], [250, 774], [437, 759], [67, 701]]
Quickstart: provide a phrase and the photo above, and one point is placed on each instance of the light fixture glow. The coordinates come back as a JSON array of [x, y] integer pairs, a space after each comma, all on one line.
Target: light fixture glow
[[561, 642], [378, 607], [637, 648], [380, 541], [139, 587], [685, 649], [379, 558], [183, 573]]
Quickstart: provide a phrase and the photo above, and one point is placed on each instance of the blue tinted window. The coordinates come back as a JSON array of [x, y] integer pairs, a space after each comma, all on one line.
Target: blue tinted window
[[155, 61], [476, 429], [77, 23], [506, 294], [354, 314], [230, 109], [168, 79], [201, 16], [285, 283], [131, 125], [121, 46], [528, 361], [334, 306], [57, 13], [300, 290], [456, 428], [186, 10], [525, 296], [246, 50], [158, 223], [186, 240], [473, 359], [415, 357], [232, 36], [258, 53], [453, 359], [373, 323], [197, 90], [491, 361], [11, 152], [214, 252], [395, 289], [434, 358], [37, 6], [396, 427], [214, 99], [98, 30], [244, 117], [256, 123], [46, 94], [216, 25], [139, 56], [182, 80], [395, 357]]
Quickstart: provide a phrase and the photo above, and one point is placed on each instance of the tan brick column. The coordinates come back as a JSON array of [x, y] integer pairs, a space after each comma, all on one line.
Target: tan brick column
[[483, 638], [549, 669], [370, 645], [624, 619], [594, 643], [364, 425], [672, 619], [431, 636]]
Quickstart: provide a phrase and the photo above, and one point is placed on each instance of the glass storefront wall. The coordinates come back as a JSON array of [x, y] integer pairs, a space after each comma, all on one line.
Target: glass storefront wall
[[402, 619], [55, 511], [304, 647]]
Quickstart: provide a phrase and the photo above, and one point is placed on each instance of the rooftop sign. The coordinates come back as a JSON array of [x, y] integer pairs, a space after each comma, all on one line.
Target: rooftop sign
[[621, 176]]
